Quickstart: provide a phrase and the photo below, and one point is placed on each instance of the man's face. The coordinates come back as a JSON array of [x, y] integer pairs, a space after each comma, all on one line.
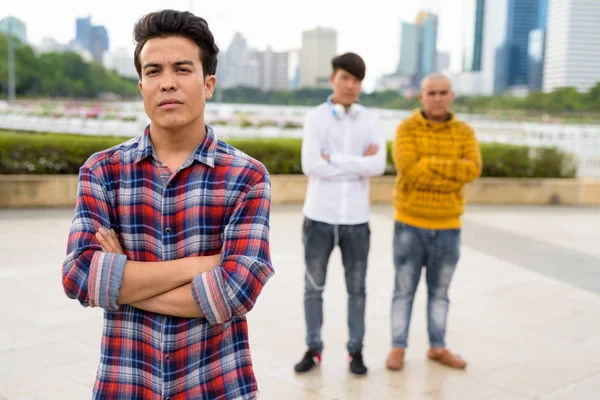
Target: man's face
[[436, 97], [172, 82], [346, 87]]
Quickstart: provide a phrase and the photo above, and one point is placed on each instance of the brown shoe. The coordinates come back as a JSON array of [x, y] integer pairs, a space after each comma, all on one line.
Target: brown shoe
[[444, 356], [395, 360]]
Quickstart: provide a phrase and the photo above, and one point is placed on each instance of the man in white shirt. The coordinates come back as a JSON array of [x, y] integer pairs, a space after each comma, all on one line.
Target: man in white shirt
[[343, 146]]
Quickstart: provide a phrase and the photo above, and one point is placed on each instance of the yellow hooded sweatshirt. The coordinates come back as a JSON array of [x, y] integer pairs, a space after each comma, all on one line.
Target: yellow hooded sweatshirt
[[434, 160]]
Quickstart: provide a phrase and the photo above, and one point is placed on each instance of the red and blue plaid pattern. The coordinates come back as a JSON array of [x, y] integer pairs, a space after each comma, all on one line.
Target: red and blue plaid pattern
[[218, 201]]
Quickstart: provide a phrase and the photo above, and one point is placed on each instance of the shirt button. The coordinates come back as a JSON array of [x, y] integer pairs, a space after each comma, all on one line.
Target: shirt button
[[168, 230], [167, 357], [169, 186]]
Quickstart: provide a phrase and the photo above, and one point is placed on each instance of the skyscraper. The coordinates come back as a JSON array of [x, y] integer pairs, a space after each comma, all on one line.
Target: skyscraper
[[572, 49], [230, 61], [274, 70], [522, 18], [319, 46], [83, 31], [484, 31], [429, 25], [542, 22], [537, 41], [473, 34], [494, 36], [409, 49], [93, 38], [14, 27], [98, 43], [418, 47]]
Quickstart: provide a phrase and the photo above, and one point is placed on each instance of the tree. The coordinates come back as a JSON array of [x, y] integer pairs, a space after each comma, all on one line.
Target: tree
[[60, 74]]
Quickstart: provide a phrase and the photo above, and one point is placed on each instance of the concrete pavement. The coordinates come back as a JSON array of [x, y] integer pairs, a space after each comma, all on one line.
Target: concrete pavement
[[524, 312]]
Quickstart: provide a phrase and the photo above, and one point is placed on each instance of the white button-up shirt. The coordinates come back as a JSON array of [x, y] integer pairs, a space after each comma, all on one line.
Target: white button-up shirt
[[338, 191]]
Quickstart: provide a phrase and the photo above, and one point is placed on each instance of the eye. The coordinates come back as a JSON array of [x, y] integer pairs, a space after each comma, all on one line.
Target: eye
[[184, 70], [151, 72]]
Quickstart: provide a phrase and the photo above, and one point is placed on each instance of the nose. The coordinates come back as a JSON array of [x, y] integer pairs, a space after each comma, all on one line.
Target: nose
[[169, 83]]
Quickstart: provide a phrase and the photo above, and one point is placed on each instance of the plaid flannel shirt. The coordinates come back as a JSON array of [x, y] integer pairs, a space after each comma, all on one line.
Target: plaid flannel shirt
[[218, 201]]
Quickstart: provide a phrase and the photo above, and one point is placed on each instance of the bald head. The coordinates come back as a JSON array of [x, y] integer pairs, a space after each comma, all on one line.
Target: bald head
[[435, 77], [436, 96]]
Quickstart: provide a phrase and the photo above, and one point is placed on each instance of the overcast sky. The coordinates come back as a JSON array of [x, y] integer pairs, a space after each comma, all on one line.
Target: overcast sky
[[370, 28]]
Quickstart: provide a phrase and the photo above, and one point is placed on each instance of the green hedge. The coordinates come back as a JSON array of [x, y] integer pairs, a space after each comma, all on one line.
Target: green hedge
[[39, 153]]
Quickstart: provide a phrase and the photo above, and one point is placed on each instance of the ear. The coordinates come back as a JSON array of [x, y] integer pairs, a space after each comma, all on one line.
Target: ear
[[331, 76], [209, 85], [140, 86]]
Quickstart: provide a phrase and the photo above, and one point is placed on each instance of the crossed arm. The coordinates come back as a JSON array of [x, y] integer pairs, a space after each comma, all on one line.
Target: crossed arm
[[163, 288], [97, 272], [317, 162], [431, 173]]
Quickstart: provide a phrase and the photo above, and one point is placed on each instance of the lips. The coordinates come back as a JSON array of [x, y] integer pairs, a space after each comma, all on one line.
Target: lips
[[169, 102]]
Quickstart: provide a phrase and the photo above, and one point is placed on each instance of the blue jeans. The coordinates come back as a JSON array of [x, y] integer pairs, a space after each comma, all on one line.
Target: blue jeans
[[319, 241], [436, 250]]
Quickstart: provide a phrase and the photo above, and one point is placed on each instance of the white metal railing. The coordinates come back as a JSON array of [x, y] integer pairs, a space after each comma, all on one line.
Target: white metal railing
[[583, 141]]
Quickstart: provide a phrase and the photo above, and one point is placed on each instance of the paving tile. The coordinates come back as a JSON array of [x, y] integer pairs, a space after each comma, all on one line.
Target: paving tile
[[509, 321]]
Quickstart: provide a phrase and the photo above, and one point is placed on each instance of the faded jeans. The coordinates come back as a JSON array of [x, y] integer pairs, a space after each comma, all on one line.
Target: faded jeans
[[319, 241], [436, 250]]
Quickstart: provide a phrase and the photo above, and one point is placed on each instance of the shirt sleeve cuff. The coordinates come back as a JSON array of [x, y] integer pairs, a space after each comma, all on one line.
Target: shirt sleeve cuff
[[105, 278], [208, 289]]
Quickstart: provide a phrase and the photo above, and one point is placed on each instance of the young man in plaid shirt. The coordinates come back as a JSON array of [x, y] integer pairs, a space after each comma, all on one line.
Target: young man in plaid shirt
[[171, 234]]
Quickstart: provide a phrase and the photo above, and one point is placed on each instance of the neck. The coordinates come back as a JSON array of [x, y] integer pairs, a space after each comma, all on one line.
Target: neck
[[178, 142], [334, 101], [430, 117]]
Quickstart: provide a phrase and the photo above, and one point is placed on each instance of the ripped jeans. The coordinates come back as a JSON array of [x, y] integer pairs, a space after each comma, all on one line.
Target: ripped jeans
[[319, 241], [436, 250]]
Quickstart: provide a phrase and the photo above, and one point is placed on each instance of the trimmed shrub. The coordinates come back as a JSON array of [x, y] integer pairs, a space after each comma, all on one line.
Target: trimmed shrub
[[46, 153]]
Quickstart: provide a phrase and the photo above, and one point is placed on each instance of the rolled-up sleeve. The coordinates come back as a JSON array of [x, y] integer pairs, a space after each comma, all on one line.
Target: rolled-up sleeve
[[232, 288], [90, 275]]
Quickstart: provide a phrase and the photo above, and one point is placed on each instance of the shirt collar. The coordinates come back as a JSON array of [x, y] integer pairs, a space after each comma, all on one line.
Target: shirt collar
[[204, 153]]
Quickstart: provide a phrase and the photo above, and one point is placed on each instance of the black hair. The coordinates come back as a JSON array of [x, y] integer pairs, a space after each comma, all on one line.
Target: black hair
[[167, 23], [350, 62]]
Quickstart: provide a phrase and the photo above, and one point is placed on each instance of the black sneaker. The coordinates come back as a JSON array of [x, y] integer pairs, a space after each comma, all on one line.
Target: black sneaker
[[310, 359], [357, 366]]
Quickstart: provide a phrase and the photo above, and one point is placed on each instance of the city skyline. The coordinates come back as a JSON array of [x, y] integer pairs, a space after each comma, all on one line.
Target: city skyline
[[376, 41]]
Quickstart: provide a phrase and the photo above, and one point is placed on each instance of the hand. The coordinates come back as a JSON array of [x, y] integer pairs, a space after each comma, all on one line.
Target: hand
[[109, 241], [325, 157], [206, 263], [371, 150]]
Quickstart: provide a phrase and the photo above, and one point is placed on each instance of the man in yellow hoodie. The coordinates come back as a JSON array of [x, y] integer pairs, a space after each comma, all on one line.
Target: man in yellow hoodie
[[435, 155]]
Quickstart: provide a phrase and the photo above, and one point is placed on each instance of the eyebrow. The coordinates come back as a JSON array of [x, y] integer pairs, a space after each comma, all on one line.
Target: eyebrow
[[176, 63]]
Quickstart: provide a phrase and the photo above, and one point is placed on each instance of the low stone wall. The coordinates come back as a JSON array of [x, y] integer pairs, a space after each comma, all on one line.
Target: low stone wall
[[21, 191]]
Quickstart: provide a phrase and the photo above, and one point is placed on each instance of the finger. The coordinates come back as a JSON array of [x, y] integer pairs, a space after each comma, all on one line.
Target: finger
[[108, 241], [106, 246], [116, 243]]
